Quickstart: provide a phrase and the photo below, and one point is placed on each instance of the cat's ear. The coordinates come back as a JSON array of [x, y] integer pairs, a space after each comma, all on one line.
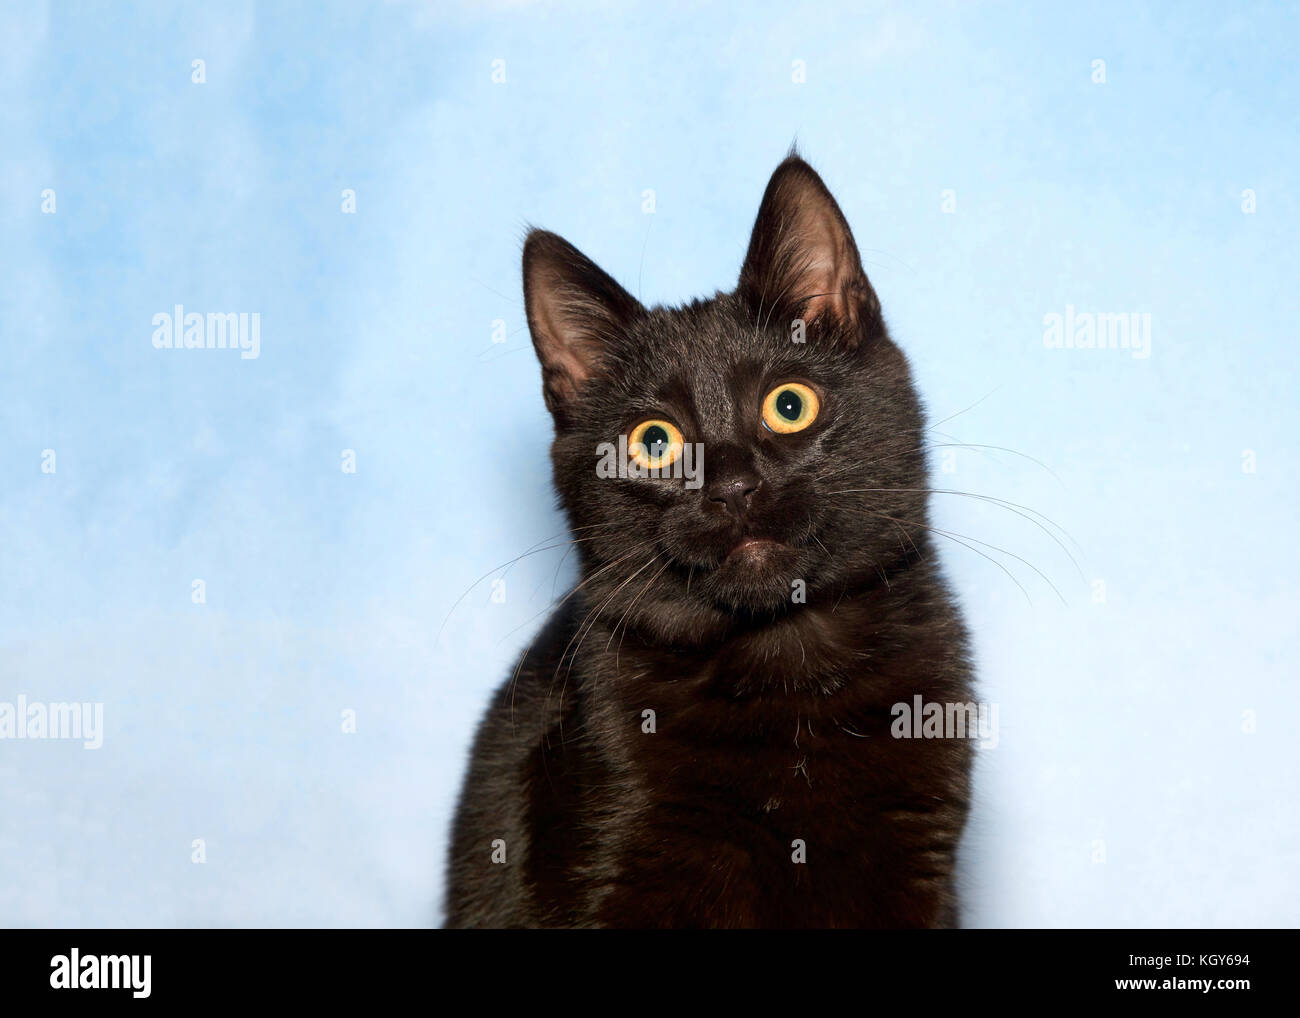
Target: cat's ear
[[574, 310], [802, 261]]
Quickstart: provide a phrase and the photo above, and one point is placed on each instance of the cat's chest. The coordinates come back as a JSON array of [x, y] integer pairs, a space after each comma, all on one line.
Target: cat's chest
[[745, 733], [812, 833], [762, 777], [782, 805], [770, 766]]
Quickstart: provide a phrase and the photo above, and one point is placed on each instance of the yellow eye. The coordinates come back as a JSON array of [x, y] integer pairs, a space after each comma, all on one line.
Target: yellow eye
[[789, 408], [654, 444]]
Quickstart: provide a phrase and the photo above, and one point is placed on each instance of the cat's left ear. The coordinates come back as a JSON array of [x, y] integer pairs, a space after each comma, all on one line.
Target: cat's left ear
[[802, 261], [575, 310]]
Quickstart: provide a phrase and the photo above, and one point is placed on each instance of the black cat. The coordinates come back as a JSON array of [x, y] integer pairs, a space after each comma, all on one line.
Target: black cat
[[701, 735]]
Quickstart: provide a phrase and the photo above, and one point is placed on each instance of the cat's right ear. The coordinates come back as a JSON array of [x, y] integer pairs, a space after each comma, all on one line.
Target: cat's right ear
[[802, 261], [574, 311]]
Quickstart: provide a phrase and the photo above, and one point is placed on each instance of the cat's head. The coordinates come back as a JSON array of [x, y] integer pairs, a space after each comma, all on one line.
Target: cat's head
[[789, 389]]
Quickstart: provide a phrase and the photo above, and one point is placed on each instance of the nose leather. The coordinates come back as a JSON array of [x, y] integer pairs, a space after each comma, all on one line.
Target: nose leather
[[734, 492]]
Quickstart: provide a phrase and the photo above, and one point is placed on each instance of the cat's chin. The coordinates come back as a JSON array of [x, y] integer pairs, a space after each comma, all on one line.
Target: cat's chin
[[755, 575], [756, 550]]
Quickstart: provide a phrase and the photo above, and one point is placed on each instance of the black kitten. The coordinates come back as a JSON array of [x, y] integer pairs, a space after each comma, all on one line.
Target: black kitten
[[701, 735]]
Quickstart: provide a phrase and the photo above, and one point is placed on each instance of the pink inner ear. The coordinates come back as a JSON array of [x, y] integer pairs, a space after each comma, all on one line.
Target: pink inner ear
[[801, 253], [828, 266], [574, 327], [824, 276], [562, 345], [574, 310]]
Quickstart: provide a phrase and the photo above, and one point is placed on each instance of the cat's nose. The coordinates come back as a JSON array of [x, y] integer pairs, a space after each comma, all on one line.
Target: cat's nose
[[734, 492]]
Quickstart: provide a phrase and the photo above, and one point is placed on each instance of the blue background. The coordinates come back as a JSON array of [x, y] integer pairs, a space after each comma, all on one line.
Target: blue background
[[1125, 789]]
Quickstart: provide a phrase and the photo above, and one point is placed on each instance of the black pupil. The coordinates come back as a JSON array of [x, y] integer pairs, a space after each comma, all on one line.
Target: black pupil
[[655, 440], [789, 405]]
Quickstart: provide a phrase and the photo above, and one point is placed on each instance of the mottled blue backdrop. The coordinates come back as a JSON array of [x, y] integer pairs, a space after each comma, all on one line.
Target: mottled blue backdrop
[[360, 178]]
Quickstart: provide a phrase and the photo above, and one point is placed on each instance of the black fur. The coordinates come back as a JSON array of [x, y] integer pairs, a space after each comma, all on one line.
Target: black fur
[[771, 715]]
